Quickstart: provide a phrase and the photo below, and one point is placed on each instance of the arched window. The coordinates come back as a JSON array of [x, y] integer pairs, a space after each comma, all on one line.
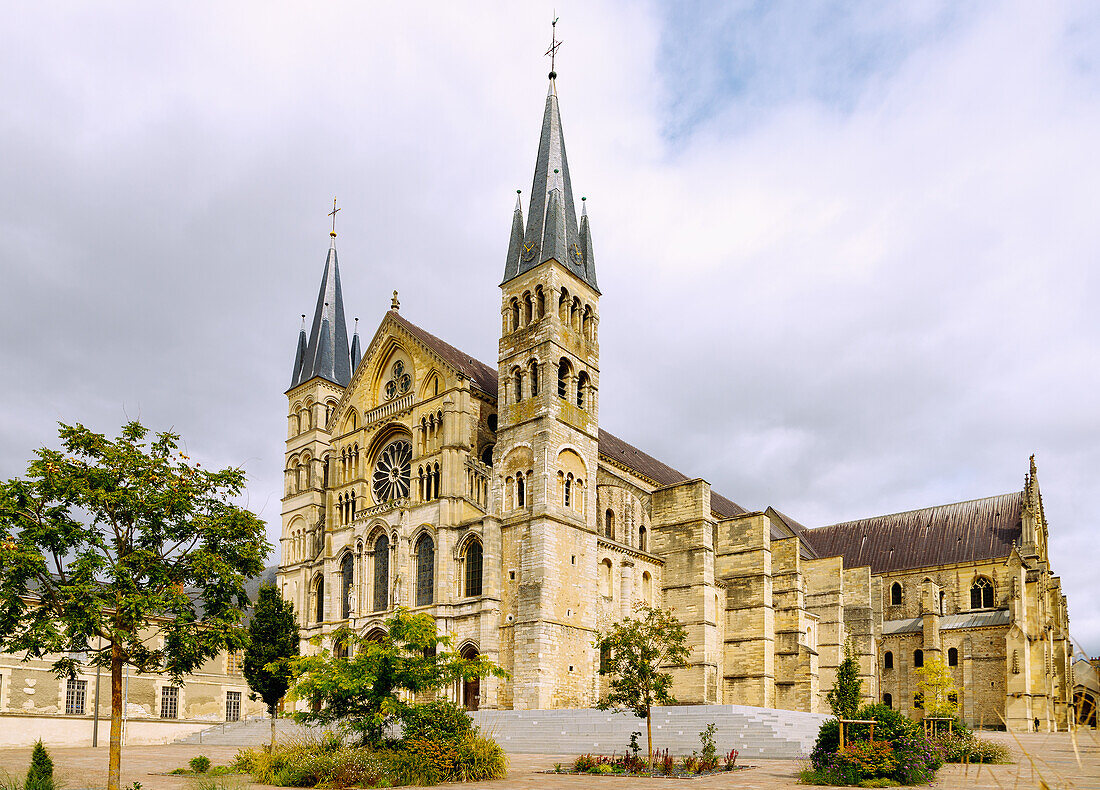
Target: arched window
[[347, 577], [606, 578], [895, 594], [340, 646], [540, 302], [515, 314], [487, 455], [563, 378], [528, 308], [888, 660], [534, 369], [609, 523], [473, 569], [952, 657], [582, 388], [981, 594], [563, 306], [943, 602], [521, 494], [568, 494], [425, 570], [319, 592], [381, 573], [517, 382], [887, 700], [918, 658], [647, 588], [642, 539]]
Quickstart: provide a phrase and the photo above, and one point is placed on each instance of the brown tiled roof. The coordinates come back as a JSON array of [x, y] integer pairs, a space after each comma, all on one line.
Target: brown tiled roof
[[611, 446], [980, 529], [783, 526], [483, 376]]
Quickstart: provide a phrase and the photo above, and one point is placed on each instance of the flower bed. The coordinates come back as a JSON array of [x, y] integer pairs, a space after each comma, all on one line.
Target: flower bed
[[664, 765]]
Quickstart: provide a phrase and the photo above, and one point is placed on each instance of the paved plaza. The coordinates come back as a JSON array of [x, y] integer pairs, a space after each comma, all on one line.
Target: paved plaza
[[1052, 760]]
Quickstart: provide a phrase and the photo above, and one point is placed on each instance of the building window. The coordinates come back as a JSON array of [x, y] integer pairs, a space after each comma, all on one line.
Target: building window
[[918, 658], [642, 539], [582, 387], [234, 663], [606, 573], [232, 706], [425, 570], [169, 702], [319, 591], [473, 569], [647, 588], [347, 576], [887, 700], [76, 694], [534, 378], [981, 594], [521, 494], [567, 496], [953, 657], [895, 594], [563, 378], [609, 523], [381, 573], [393, 472], [518, 382], [888, 660], [953, 697], [605, 659], [340, 647]]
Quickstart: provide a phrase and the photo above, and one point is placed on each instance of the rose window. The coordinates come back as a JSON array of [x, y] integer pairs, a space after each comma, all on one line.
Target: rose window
[[400, 383], [392, 471]]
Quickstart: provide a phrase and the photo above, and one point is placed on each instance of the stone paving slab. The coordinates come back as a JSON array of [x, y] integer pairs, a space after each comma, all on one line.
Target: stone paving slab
[[1052, 759]]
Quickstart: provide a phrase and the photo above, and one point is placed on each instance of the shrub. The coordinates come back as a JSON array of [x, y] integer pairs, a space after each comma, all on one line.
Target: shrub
[[967, 748], [708, 755], [690, 764], [601, 768], [480, 759], [867, 760], [918, 760], [890, 725], [584, 763], [40, 773], [439, 720], [199, 764], [730, 759], [667, 763]]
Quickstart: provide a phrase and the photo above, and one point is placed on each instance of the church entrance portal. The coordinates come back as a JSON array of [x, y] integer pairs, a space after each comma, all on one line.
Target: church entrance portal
[[471, 689]]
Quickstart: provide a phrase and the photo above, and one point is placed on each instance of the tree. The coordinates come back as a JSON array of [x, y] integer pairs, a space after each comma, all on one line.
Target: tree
[[40, 773], [128, 542], [939, 690], [362, 694], [635, 650], [272, 642], [843, 697]]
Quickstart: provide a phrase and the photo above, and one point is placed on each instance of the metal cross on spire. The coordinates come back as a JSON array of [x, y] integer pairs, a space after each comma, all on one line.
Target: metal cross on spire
[[333, 215], [554, 44]]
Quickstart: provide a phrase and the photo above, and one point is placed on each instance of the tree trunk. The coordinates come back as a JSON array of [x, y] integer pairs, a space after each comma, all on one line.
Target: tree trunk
[[272, 711], [115, 757], [648, 737]]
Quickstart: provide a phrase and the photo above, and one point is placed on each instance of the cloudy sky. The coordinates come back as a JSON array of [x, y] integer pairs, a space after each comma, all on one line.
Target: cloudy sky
[[848, 252]]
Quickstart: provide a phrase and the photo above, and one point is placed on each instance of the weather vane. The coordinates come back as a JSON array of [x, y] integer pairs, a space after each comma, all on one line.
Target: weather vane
[[554, 44], [333, 215]]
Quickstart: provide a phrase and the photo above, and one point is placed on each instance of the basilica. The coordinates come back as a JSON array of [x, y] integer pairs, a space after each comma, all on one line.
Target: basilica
[[489, 497]]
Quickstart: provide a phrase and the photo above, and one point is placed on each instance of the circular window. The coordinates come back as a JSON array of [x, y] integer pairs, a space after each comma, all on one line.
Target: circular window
[[392, 471], [400, 383]]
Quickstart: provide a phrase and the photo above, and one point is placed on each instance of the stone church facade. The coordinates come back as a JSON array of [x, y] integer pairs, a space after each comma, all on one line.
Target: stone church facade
[[491, 498]]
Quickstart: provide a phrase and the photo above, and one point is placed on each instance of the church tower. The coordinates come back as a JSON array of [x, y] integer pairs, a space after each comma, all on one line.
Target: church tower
[[547, 438], [322, 370]]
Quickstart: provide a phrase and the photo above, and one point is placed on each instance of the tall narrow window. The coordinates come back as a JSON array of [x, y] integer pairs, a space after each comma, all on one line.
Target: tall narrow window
[[568, 493], [519, 385], [888, 660], [605, 659], [169, 702], [76, 695], [918, 658], [319, 592], [473, 569], [609, 523], [232, 706], [425, 570], [895, 594], [534, 379], [642, 539], [515, 314], [582, 388], [887, 700], [381, 573], [563, 378], [347, 577], [521, 494], [981, 594], [953, 657]]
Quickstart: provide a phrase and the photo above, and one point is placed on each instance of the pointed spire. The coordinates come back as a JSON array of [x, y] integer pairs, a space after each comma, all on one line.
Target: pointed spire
[[588, 259], [327, 353], [551, 231], [515, 242], [356, 351], [299, 355]]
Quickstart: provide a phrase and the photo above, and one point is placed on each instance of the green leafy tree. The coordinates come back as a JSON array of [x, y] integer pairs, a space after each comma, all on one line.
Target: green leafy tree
[[40, 774], [126, 551], [362, 694], [843, 697], [939, 690], [272, 643], [636, 650]]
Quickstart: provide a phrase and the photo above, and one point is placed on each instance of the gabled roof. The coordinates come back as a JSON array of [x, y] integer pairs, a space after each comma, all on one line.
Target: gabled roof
[[979, 529], [482, 376], [783, 526]]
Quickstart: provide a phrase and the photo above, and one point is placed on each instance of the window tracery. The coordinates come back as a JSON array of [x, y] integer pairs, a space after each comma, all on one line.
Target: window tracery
[[393, 471], [400, 381]]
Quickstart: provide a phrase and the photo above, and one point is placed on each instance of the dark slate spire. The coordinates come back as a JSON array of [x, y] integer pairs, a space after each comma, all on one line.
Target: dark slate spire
[[327, 354], [299, 355], [552, 230], [587, 256], [356, 351], [515, 243]]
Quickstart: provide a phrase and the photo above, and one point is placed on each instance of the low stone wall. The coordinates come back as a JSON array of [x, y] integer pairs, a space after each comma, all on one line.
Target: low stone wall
[[23, 730]]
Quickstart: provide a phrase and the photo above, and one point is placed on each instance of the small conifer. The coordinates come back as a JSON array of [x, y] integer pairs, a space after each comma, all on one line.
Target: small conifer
[[40, 774]]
